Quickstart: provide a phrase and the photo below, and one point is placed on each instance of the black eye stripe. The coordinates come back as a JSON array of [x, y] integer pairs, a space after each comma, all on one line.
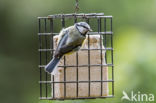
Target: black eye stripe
[[82, 26]]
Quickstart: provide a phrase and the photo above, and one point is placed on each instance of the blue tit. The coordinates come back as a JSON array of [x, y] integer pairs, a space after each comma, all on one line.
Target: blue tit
[[69, 40]]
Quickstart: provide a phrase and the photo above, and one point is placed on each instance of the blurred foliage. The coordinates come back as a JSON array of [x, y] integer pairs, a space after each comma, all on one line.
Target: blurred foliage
[[134, 41]]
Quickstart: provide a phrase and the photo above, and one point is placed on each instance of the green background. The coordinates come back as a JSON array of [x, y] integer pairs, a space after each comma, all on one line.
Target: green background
[[134, 27]]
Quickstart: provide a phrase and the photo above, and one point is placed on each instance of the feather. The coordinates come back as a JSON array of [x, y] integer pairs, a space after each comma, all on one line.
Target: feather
[[51, 66]]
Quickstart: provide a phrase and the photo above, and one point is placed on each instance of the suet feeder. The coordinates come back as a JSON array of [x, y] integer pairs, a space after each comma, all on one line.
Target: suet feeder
[[86, 74]]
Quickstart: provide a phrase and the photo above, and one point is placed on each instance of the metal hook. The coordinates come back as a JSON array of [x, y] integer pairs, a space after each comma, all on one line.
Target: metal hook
[[76, 6]]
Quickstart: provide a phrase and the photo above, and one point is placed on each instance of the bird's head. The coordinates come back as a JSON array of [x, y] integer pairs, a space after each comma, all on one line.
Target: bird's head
[[83, 27]]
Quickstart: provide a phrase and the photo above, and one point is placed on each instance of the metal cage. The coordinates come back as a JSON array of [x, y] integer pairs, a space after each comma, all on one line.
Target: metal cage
[[50, 26]]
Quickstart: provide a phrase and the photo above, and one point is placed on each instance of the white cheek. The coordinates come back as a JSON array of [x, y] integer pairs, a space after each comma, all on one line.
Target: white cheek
[[81, 29]]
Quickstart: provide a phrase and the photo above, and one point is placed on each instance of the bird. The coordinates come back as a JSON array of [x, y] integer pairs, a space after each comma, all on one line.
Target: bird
[[70, 40]]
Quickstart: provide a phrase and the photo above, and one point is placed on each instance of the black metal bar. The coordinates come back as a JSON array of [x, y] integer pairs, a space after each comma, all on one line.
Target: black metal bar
[[51, 46], [101, 55], [84, 16], [91, 33], [63, 25], [105, 38], [75, 81], [46, 76], [51, 41], [81, 15], [112, 59], [40, 53], [53, 86], [77, 68], [43, 50], [81, 65], [87, 20], [50, 98]]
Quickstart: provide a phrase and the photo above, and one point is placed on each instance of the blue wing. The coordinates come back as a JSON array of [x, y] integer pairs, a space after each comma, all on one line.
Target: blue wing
[[63, 47]]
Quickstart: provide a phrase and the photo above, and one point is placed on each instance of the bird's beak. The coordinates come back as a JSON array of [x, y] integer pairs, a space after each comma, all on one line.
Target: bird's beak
[[90, 29]]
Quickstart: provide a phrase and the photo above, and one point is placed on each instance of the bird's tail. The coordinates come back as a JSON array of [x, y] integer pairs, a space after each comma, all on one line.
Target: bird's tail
[[51, 66]]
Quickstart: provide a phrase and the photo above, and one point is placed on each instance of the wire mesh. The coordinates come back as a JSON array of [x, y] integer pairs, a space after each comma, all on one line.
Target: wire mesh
[[101, 25]]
